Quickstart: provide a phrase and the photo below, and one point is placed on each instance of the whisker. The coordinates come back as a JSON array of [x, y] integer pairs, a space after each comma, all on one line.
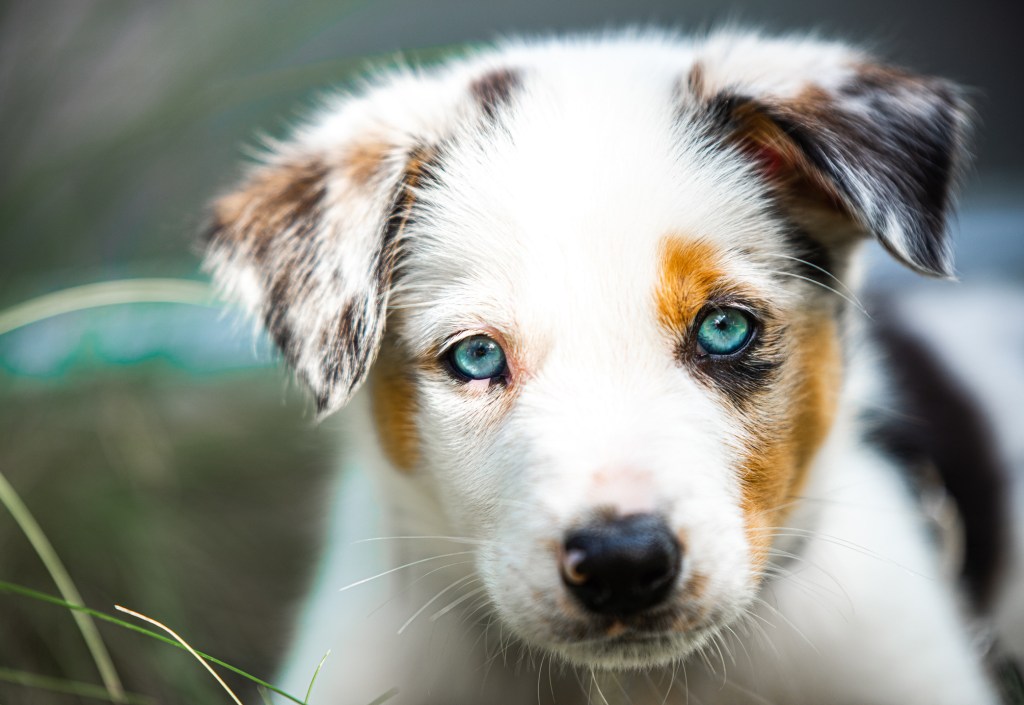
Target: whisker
[[481, 604], [704, 657], [593, 679], [759, 626], [452, 605], [671, 682], [844, 297], [412, 584], [551, 682], [431, 601], [845, 543], [540, 672], [454, 539], [721, 656], [739, 641], [819, 593], [824, 271], [778, 613], [406, 565]]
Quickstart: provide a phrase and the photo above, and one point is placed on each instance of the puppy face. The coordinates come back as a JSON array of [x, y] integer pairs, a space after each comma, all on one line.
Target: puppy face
[[608, 274]]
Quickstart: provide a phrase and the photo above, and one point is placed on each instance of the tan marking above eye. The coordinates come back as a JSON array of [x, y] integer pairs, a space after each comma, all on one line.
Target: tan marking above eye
[[689, 273]]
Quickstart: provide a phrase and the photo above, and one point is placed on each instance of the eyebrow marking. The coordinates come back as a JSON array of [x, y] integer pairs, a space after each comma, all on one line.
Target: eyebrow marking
[[689, 273]]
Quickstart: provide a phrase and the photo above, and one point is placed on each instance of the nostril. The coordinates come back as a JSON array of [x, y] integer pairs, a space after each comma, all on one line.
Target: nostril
[[571, 571], [621, 566]]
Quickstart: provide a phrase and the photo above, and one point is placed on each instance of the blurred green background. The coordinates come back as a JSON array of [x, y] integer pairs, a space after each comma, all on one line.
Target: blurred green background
[[161, 447]]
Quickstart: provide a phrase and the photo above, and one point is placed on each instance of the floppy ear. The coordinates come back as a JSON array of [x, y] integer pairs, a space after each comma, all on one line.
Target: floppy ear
[[838, 134], [307, 243]]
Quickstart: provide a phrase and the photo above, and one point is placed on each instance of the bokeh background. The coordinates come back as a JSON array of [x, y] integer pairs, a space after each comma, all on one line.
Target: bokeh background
[[165, 453]]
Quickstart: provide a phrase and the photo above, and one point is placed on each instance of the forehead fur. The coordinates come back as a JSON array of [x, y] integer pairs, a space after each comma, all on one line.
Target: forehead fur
[[576, 191]]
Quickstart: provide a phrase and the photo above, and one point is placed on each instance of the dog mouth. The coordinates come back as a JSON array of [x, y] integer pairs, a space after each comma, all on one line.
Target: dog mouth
[[633, 649], [641, 641]]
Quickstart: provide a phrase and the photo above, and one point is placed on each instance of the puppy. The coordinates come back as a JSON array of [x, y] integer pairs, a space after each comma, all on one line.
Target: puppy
[[629, 437]]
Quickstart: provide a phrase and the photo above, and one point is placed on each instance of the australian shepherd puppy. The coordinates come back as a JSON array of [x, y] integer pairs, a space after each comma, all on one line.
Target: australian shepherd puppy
[[629, 436]]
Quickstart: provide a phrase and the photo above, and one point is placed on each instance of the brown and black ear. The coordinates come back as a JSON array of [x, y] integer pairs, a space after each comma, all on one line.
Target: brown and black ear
[[308, 243], [874, 145]]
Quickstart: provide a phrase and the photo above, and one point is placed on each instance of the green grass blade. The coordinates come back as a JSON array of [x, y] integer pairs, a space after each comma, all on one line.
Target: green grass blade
[[385, 697], [68, 687], [124, 291], [312, 681], [43, 597], [65, 586]]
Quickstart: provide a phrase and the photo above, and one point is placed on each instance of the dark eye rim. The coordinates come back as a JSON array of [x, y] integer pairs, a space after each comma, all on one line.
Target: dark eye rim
[[447, 361], [754, 320]]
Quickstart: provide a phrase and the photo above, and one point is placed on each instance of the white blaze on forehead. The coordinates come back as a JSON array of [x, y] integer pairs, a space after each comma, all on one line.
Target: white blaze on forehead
[[557, 213]]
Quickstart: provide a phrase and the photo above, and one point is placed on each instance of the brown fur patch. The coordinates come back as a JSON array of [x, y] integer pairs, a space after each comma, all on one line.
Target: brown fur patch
[[616, 628], [696, 586], [781, 159], [275, 198], [365, 161], [394, 403], [780, 455], [688, 274]]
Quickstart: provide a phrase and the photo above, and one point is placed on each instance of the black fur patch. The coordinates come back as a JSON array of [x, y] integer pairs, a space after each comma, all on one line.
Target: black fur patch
[[344, 346], [816, 261], [941, 426], [494, 90], [905, 159], [886, 146], [276, 317]]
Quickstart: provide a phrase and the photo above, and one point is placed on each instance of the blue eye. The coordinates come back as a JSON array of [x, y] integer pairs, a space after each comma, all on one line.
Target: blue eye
[[725, 331], [477, 357]]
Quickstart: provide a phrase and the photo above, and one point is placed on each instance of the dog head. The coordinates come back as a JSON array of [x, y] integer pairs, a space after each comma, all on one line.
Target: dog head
[[606, 281]]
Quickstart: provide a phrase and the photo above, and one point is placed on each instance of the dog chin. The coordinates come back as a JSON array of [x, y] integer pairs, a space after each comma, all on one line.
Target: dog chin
[[632, 651]]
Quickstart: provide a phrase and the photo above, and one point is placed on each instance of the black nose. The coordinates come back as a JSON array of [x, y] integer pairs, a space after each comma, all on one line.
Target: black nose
[[621, 566]]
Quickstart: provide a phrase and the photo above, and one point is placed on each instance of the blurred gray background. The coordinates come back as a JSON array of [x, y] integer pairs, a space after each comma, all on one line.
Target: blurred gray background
[[172, 464], [118, 120]]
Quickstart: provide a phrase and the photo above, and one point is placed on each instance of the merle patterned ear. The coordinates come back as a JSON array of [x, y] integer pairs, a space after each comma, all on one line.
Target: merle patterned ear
[[881, 146], [308, 244]]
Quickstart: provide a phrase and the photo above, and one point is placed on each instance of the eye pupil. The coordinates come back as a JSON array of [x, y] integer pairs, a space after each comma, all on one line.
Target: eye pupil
[[477, 357], [725, 331]]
